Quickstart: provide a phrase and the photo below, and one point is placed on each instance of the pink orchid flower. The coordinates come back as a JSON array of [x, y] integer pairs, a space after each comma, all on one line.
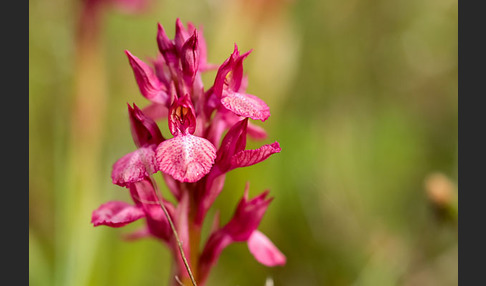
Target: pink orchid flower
[[195, 160]]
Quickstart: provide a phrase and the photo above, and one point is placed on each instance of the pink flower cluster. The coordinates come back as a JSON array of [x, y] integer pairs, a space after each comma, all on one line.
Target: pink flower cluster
[[194, 162]]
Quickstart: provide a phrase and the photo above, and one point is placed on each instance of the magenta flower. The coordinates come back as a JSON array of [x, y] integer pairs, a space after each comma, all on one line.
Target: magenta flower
[[187, 158], [242, 227], [195, 160]]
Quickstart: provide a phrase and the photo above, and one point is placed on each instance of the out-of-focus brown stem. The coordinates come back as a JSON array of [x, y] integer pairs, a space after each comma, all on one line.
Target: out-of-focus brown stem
[[90, 94], [83, 166]]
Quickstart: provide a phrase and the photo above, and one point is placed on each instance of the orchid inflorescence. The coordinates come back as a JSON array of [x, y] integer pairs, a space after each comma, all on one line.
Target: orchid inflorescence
[[194, 162]]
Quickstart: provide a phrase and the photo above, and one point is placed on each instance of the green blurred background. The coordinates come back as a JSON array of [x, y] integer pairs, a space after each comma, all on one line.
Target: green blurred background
[[363, 96]]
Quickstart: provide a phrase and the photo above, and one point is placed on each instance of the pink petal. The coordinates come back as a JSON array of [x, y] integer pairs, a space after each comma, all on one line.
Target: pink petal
[[233, 142], [181, 35], [190, 58], [144, 129], [137, 234], [116, 214], [157, 222], [237, 73], [247, 216], [134, 166], [148, 83], [187, 158], [166, 47], [247, 158], [215, 244], [246, 105], [264, 250], [156, 111], [144, 195], [223, 70], [256, 132]]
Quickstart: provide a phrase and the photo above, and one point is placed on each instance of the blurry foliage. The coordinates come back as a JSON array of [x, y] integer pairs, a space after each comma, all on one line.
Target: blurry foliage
[[363, 97]]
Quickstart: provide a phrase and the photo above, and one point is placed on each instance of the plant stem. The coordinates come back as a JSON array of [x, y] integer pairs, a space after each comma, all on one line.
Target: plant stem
[[179, 242]]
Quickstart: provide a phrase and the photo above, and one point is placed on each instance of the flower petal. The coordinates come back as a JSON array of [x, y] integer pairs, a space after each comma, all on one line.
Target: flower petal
[[233, 142], [148, 83], [116, 214], [190, 58], [256, 132], [236, 77], [187, 158], [166, 47], [264, 250], [134, 166], [246, 105], [137, 234], [145, 197], [247, 216], [144, 129], [156, 111], [215, 244], [247, 158], [181, 35]]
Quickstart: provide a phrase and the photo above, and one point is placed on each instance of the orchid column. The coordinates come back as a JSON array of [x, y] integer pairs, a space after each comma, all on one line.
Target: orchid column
[[209, 128]]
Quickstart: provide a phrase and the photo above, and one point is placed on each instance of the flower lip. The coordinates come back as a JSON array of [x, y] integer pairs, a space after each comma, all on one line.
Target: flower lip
[[187, 158]]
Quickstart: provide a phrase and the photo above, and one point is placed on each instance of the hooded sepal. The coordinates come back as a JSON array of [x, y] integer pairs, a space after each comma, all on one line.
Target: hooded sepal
[[182, 118]]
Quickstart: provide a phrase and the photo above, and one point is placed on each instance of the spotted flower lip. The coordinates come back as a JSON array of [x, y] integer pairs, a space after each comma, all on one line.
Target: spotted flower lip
[[185, 157]]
